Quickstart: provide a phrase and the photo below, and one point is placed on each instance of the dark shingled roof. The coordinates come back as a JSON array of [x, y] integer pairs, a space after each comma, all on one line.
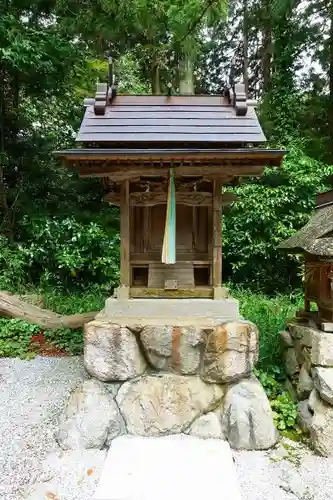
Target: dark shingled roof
[[175, 119], [316, 237]]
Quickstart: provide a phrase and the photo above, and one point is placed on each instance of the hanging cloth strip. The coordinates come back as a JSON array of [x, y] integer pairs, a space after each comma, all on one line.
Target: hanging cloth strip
[[169, 241]]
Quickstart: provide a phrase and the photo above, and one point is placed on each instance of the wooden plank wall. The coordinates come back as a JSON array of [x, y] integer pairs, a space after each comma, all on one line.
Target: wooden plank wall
[[217, 236], [125, 270]]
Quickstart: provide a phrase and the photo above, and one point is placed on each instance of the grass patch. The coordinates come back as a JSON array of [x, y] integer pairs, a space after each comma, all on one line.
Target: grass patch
[[67, 339], [271, 316], [72, 303]]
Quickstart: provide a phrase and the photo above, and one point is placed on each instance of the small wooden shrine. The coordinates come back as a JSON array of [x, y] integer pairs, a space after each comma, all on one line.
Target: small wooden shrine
[[164, 161], [315, 242]]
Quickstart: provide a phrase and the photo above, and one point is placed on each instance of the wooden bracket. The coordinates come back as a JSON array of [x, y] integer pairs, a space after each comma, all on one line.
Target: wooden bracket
[[240, 99], [104, 96], [101, 98]]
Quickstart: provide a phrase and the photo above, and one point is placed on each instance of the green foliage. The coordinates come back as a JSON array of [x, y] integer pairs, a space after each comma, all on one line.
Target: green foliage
[[15, 338], [68, 253], [270, 210], [284, 410], [270, 315], [88, 300], [66, 339], [13, 274]]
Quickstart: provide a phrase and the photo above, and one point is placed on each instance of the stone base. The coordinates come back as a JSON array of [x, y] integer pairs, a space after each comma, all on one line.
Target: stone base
[[170, 311], [170, 367], [167, 404], [309, 365]]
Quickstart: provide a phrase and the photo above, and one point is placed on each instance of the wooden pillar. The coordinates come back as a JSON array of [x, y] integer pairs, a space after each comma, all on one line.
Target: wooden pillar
[[218, 291], [125, 270]]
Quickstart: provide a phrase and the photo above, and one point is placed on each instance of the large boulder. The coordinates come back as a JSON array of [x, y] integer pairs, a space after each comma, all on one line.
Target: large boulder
[[173, 348], [247, 418], [91, 418], [322, 348], [231, 351], [302, 340], [207, 427], [111, 352], [165, 404], [286, 339], [302, 333], [305, 384], [323, 381], [291, 363], [321, 425], [304, 416]]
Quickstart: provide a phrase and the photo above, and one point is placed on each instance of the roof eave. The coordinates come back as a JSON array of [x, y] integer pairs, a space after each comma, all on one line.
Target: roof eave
[[273, 156]]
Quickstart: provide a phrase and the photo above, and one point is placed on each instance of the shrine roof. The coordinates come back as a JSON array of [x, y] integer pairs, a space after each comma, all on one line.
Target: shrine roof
[[190, 119], [316, 237]]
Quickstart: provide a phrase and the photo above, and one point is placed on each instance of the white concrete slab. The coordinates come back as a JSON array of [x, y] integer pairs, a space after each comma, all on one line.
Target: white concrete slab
[[168, 468]]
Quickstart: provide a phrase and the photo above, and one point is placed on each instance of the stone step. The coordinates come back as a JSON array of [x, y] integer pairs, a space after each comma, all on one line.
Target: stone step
[[168, 468]]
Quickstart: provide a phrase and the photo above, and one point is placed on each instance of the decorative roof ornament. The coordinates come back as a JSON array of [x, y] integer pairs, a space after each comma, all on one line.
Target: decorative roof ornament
[[105, 92], [239, 99]]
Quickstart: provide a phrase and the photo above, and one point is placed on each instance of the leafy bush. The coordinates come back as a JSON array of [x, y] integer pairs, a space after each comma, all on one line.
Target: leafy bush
[[88, 300], [271, 316], [66, 339], [13, 267], [15, 338], [61, 252], [270, 210], [284, 410]]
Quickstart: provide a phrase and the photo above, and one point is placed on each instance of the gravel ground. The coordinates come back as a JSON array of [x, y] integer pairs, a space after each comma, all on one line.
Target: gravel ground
[[33, 393]]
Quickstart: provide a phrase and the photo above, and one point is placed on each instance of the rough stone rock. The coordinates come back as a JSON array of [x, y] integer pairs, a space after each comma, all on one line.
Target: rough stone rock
[[247, 418], [286, 339], [90, 419], [306, 358], [165, 404], [299, 352], [231, 351], [323, 381], [304, 416], [113, 388], [290, 387], [292, 366], [322, 349], [321, 426], [111, 352], [305, 384], [302, 333], [207, 426], [172, 348]]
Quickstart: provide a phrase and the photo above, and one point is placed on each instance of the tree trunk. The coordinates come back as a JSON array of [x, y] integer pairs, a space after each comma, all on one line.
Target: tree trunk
[[155, 79], [12, 306], [186, 85], [267, 47], [246, 47], [4, 207], [330, 113]]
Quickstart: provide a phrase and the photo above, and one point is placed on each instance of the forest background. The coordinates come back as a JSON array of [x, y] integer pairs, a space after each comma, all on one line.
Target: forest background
[[57, 237]]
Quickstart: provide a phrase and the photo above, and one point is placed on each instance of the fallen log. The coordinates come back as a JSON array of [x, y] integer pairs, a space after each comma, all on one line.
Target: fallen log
[[11, 306]]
